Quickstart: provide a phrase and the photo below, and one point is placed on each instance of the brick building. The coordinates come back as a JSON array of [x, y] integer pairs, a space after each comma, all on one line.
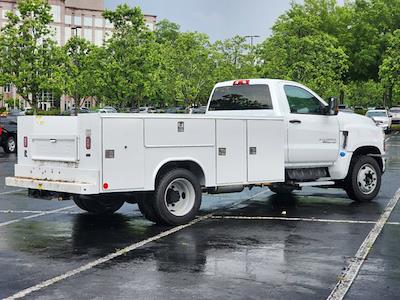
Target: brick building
[[70, 17]]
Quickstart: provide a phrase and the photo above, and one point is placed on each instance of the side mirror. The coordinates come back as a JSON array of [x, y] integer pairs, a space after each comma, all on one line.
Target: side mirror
[[333, 106]]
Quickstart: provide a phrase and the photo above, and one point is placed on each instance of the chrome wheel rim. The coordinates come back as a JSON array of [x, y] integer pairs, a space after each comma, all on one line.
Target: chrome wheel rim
[[367, 179], [179, 197], [11, 145]]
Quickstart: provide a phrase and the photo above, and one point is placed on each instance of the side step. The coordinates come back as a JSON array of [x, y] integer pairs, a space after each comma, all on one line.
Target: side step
[[314, 183]]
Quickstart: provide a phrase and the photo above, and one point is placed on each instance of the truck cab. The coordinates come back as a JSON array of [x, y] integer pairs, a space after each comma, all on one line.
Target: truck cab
[[256, 132]]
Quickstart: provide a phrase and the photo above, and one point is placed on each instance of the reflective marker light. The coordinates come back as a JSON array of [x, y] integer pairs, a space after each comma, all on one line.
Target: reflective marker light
[[241, 82], [25, 141], [105, 185], [88, 143]]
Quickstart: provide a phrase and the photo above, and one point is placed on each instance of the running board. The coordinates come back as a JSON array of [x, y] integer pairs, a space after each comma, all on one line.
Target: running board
[[314, 183]]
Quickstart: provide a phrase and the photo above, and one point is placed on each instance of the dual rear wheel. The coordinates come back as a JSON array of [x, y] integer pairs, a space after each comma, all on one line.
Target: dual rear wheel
[[175, 201]]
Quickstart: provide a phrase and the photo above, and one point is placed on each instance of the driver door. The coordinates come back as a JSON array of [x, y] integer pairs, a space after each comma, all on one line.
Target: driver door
[[313, 136]]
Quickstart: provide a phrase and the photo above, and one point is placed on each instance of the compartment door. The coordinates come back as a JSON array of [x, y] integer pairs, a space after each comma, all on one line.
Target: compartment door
[[265, 150], [231, 152], [123, 154]]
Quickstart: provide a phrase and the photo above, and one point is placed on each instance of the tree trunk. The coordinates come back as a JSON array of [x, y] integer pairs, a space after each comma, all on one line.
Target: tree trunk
[[77, 104], [390, 96], [341, 97]]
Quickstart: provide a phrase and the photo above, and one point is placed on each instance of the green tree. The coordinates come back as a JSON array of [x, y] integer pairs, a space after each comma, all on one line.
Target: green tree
[[81, 70], [389, 70], [167, 31], [130, 60], [234, 59], [315, 60], [28, 56]]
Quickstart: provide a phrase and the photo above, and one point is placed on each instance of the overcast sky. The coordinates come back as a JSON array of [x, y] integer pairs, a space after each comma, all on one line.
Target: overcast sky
[[220, 19]]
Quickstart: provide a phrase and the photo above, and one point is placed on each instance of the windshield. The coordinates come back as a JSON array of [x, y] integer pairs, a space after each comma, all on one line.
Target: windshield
[[376, 114], [395, 110], [241, 97]]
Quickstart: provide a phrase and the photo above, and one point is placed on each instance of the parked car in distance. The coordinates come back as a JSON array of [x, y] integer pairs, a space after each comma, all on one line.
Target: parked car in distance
[[345, 108], [175, 110], [133, 110], [8, 134], [395, 113], [107, 110], [198, 110], [147, 110], [381, 118]]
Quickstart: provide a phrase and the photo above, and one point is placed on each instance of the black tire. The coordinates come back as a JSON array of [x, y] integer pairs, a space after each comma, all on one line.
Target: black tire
[[357, 190], [281, 189], [166, 191], [98, 204], [10, 145], [145, 203]]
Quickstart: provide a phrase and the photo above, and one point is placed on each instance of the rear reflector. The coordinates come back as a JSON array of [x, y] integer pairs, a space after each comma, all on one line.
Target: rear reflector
[[25, 141], [88, 143], [241, 82], [1, 130], [105, 185]]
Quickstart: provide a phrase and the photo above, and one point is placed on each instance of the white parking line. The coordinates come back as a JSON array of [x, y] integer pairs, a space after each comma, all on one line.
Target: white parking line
[[347, 279], [36, 215], [10, 211], [102, 260], [12, 192], [293, 219], [393, 223]]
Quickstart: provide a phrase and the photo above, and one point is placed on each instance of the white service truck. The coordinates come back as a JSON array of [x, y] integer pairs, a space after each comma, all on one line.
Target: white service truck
[[258, 132]]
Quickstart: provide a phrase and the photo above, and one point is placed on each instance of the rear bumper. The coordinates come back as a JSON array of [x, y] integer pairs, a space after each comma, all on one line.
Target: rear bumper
[[56, 186]]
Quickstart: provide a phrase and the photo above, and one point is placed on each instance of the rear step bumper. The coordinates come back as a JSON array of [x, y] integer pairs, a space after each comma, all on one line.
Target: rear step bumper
[[56, 186]]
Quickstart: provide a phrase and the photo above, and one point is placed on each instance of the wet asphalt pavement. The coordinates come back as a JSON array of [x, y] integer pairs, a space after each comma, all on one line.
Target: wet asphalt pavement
[[249, 245]]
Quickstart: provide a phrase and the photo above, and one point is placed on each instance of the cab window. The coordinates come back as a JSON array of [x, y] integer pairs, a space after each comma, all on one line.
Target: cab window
[[241, 97], [302, 101]]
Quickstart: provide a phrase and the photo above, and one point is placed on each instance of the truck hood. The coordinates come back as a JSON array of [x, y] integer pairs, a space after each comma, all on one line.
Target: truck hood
[[346, 119]]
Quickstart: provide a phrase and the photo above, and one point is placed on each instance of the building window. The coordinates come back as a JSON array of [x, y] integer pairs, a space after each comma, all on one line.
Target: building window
[[56, 12], [87, 34], [68, 20], [87, 104], [98, 37], [56, 34], [7, 88], [88, 21], [67, 34], [78, 20], [98, 22], [45, 100]]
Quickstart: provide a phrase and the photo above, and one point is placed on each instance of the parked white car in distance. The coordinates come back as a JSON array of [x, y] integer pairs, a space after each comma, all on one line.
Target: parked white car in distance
[[381, 118], [395, 113], [107, 110]]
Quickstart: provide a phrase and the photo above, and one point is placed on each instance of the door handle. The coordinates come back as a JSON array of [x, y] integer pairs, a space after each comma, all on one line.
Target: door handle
[[295, 121]]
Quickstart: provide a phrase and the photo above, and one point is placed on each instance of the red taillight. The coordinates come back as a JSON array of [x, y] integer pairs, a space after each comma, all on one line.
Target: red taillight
[[105, 185], [1, 130], [25, 141], [88, 143], [241, 82]]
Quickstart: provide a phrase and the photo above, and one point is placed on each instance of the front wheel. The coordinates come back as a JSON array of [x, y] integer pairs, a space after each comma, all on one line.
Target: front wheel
[[177, 198], [364, 179], [98, 204]]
